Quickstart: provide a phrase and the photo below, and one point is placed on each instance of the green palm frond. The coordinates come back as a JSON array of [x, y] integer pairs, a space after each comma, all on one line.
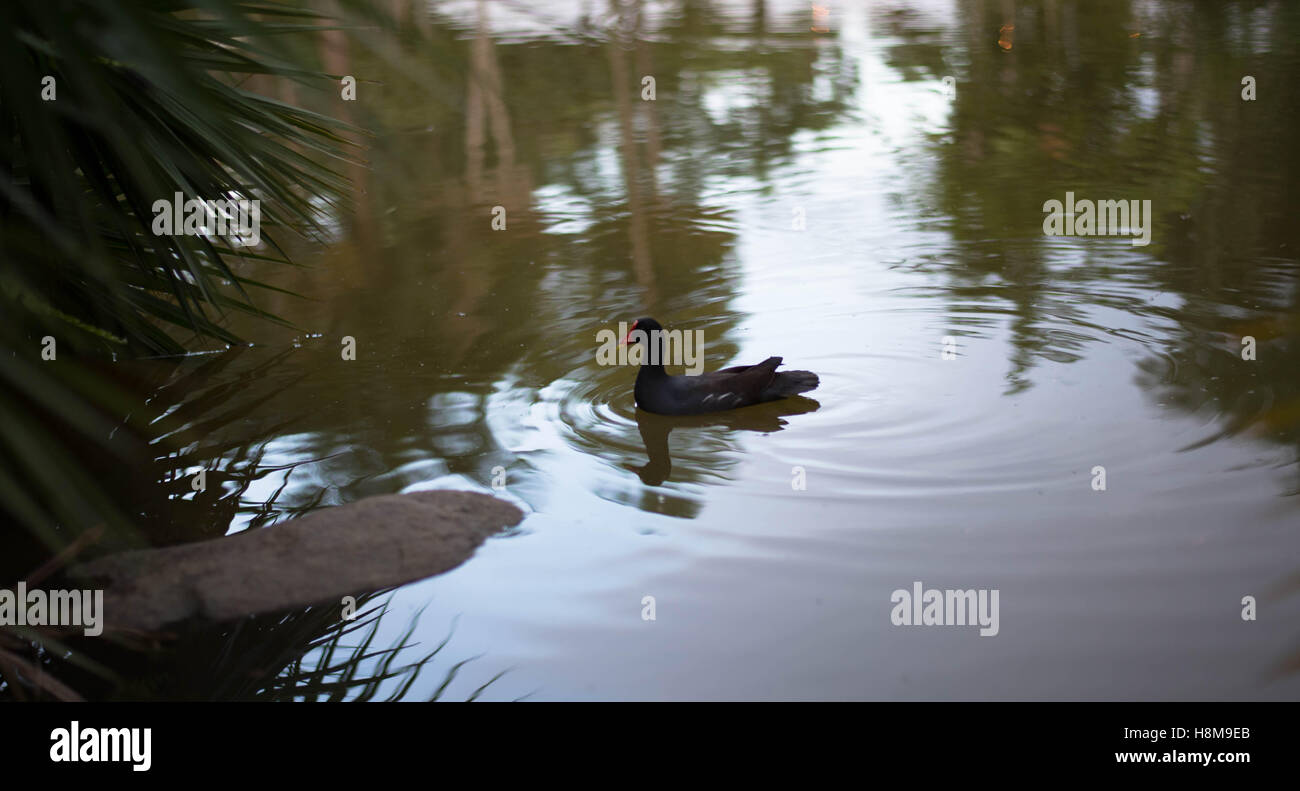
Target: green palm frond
[[146, 103], [106, 108]]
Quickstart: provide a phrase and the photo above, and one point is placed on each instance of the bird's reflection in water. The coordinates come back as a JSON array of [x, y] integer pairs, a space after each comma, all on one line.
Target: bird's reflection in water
[[764, 418]]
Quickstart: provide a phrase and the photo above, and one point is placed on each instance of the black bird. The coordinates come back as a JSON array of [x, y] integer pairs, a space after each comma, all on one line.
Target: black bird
[[656, 391]]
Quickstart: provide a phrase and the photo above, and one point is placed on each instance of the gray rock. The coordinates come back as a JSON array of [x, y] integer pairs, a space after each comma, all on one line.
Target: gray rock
[[374, 543]]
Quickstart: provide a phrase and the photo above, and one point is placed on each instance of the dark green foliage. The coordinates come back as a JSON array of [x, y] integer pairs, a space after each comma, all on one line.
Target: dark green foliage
[[147, 103]]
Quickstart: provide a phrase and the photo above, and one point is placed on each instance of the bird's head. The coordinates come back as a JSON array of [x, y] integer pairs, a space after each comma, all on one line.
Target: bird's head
[[647, 327]]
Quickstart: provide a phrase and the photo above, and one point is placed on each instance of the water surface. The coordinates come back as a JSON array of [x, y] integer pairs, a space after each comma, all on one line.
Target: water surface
[[824, 195]]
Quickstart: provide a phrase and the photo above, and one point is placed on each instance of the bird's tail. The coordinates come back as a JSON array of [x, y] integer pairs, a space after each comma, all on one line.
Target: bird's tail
[[788, 383]]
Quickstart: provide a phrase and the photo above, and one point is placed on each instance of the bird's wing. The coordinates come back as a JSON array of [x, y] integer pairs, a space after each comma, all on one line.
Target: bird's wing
[[736, 369]]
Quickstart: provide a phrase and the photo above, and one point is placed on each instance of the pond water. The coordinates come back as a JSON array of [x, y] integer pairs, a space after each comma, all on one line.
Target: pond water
[[806, 183]]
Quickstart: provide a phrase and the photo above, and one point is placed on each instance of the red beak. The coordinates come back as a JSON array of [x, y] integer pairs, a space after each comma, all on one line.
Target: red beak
[[628, 337]]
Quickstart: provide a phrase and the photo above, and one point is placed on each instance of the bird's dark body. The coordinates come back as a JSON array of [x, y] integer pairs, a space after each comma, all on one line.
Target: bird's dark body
[[730, 388]]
